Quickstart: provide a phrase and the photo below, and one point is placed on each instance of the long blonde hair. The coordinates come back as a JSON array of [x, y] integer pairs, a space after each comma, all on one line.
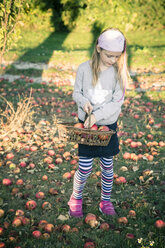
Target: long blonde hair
[[120, 65]]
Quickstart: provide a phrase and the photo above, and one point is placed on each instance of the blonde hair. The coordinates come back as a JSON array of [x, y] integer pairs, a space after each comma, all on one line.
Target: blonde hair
[[120, 65]]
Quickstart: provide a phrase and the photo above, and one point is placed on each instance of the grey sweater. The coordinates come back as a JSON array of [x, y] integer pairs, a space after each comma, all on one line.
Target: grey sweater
[[106, 97]]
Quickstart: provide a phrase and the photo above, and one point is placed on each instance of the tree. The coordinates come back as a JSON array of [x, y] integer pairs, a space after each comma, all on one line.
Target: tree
[[10, 11]]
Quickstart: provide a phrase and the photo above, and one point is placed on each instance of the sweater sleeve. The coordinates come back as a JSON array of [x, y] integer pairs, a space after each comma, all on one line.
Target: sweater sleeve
[[78, 89], [110, 108]]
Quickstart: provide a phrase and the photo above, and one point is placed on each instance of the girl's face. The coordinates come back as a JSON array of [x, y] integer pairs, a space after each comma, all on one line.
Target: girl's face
[[107, 58]]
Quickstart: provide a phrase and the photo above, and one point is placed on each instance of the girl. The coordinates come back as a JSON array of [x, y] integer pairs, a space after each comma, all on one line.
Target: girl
[[99, 89]]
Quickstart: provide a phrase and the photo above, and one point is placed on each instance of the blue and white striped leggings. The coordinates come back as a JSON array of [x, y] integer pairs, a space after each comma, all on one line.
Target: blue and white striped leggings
[[84, 170]]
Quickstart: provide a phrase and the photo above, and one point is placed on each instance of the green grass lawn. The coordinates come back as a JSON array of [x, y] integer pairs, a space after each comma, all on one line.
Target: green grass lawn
[[143, 192], [145, 49]]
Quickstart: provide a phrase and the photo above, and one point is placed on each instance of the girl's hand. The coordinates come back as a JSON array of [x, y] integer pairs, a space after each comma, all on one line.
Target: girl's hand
[[92, 121], [88, 108]]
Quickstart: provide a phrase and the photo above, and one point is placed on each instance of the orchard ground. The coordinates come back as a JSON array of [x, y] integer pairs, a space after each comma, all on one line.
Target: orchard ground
[[35, 160], [36, 168]]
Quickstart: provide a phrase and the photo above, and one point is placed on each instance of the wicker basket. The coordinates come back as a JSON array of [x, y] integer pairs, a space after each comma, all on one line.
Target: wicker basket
[[67, 132]]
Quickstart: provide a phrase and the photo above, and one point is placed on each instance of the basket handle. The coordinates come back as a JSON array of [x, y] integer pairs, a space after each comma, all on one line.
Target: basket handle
[[86, 116], [89, 115]]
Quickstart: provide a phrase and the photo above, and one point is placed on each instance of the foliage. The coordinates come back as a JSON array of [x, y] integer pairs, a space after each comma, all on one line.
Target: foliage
[[9, 17], [124, 14]]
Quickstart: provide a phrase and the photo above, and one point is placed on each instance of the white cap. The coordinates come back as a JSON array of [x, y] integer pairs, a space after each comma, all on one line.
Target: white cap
[[112, 40]]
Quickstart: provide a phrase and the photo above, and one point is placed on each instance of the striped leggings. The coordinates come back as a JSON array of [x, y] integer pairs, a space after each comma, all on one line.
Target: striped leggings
[[84, 170]]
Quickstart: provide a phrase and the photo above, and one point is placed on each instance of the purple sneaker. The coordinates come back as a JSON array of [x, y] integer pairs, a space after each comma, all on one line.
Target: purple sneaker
[[106, 207], [75, 207]]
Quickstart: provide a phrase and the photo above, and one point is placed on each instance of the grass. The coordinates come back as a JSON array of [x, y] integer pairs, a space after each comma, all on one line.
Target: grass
[[144, 50], [142, 196]]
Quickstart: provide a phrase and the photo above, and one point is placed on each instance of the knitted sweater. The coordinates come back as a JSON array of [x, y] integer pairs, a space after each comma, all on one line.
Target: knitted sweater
[[106, 97]]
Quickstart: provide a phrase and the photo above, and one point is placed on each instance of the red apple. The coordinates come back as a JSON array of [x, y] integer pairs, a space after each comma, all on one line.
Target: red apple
[[51, 166], [1, 213], [67, 175], [65, 228], [130, 236], [89, 245], [46, 205], [32, 166], [25, 221], [22, 164], [17, 222], [94, 127], [136, 116], [40, 195], [133, 144], [37, 234], [20, 182], [53, 191], [51, 152], [6, 181], [126, 155], [2, 245], [79, 125], [58, 161], [33, 148], [120, 180], [10, 156], [1, 231], [122, 220], [73, 162], [160, 224], [49, 228], [132, 213], [42, 224], [90, 217], [48, 160], [30, 205], [103, 128], [104, 226], [44, 177]]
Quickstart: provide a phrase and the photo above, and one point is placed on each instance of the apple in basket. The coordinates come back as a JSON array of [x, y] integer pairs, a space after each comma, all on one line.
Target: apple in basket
[[94, 127], [80, 126], [104, 136]]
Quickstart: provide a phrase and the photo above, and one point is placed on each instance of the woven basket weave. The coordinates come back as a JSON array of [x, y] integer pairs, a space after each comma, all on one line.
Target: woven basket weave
[[67, 132]]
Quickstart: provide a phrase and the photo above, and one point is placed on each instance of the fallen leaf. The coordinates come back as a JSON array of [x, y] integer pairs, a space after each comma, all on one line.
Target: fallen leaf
[[63, 217]]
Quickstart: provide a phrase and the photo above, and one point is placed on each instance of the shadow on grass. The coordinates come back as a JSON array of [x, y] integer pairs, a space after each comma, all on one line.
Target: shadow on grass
[[55, 42]]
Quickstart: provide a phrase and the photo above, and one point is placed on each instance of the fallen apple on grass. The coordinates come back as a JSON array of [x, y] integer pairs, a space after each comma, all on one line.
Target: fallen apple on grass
[[89, 244], [10, 156], [36, 234], [130, 236], [65, 228], [49, 227], [17, 222], [67, 175], [160, 224], [122, 220], [2, 245], [46, 205], [30, 205], [120, 180], [40, 195], [1, 231], [6, 181], [104, 226], [1, 213]]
